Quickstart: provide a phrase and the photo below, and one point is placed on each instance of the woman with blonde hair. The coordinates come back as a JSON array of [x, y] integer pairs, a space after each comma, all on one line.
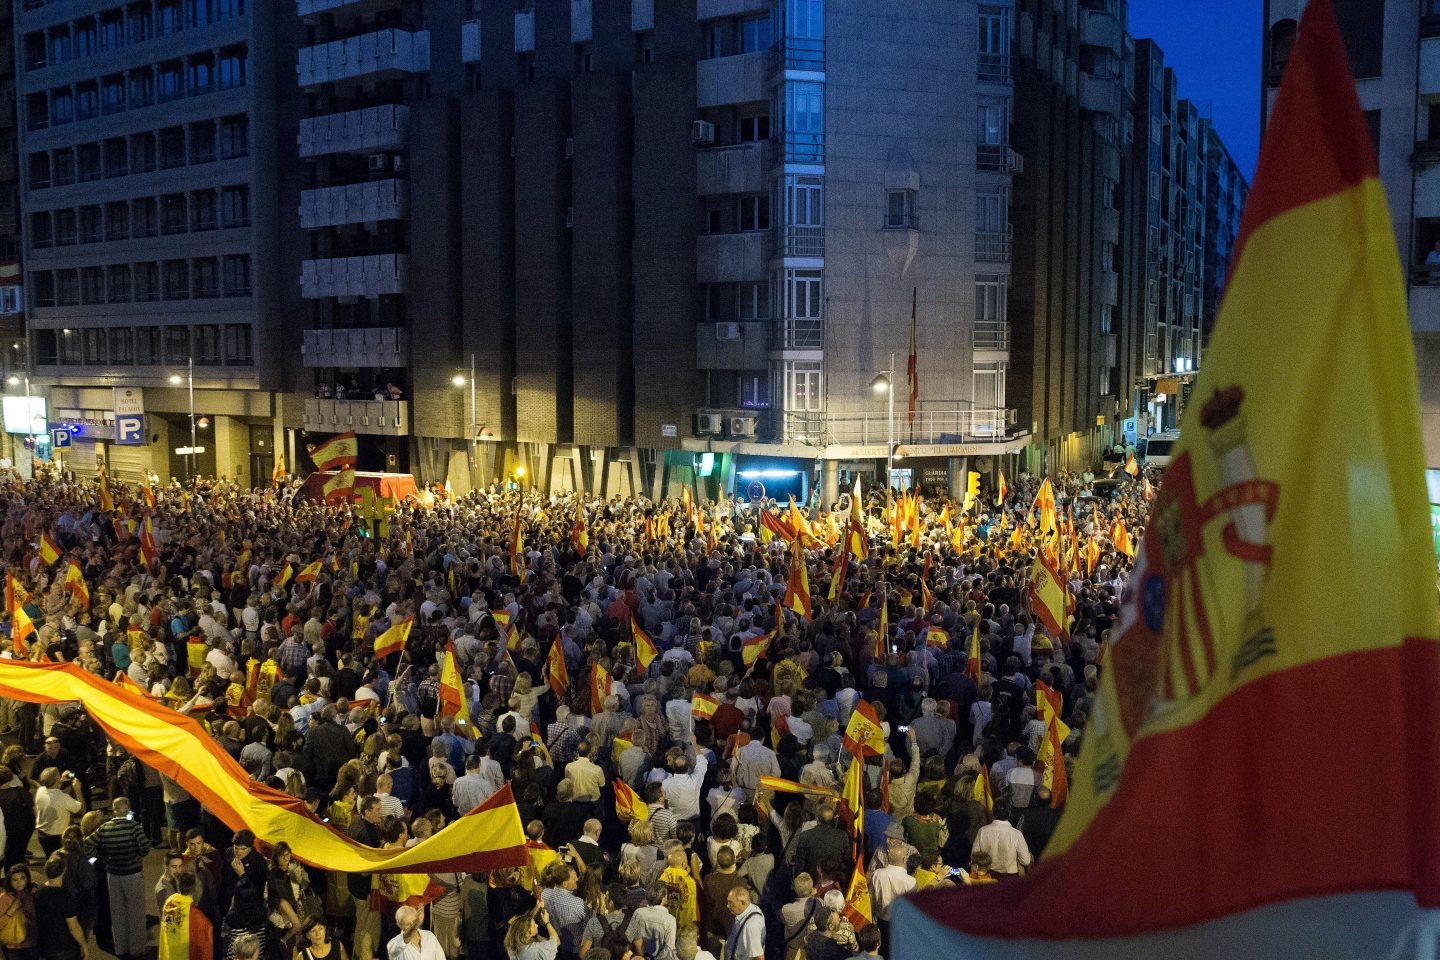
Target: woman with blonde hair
[[524, 941]]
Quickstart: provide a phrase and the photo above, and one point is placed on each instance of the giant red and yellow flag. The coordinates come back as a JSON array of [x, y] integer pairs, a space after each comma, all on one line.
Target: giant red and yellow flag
[[1300, 454], [340, 487], [340, 451], [487, 838]]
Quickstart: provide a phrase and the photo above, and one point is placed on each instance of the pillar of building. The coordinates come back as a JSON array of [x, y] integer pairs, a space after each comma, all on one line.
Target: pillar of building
[[959, 468], [232, 449], [829, 481]]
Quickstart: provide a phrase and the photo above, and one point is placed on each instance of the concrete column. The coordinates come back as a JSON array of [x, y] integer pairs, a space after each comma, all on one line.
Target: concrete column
[[232, 449], [959, 472], [160, 456], [829, 482]]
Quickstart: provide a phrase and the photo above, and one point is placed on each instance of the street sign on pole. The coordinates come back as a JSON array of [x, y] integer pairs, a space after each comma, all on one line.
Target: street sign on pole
[[129, 429], [60, 437]]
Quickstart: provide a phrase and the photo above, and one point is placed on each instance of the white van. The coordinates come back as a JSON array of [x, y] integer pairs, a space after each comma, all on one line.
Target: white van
[[1157, 449]]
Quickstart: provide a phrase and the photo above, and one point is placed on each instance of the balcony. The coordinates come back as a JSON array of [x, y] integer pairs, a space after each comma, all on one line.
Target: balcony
[[1100, 94], [369, 348], [715, 9], [735, 169], [733, 346], [369, 202], [582, 20], [1101, 28], [993, 68], [998, 158], [1109, 349], [933, 424], [525, 31], [991, 335], [470, 41], [800, 53], [369, 130], [992, 247], [1110, 224], [313, 8], [367, 56], [730, 257], [389, 418], [800, 333], [728, 80], [1109, 287], [369, 277], [798, 240], [804, 147]]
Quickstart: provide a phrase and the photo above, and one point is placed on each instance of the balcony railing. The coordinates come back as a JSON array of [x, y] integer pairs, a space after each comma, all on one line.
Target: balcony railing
[[992, 335], [387, 417], [957, 424], [370, 202], [368, 276], [998, 156], [992, 247], [993, 68], [800, 53], [367, 130], [367, 347], [793, 240], [804, 147], [800, 333], [353, 58]]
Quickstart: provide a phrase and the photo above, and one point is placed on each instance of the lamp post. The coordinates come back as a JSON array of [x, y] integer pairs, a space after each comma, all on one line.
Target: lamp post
[[459, 381], [884, 382], [190, 379]]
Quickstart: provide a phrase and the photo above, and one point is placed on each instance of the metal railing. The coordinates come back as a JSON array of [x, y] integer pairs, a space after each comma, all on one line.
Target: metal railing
[[800, 53], [998, 156], [959, 423], [993, 68], [799, 333], [991, 335], [795, 240], [804, 147], [992, 247]]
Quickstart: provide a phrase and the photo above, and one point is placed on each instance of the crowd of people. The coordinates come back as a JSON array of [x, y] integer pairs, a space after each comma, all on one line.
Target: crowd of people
[[282, 674]]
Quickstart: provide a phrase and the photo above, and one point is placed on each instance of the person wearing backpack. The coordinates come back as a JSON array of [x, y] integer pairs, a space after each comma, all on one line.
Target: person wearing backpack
[[606, 926]]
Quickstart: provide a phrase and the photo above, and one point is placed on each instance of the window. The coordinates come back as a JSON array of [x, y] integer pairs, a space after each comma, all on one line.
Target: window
[[60, 49], [112, 31], [754, 390], [146, 278], [994, 38], [112, 95], [122, 345], [197, 13], [229, 9], [991, 299], [147, 346], [803, 289], [143, 154], [1362, 25], [87, 101], [900, 210], [752, 301], [172, 213], [42, 289], [141, 22], [118, 287], [90, 230], [11, 299], [142, 88], [1107, 257], [205, 278], [177, 344], [237, 343], [145, 217], [237, 275], [199, 75], [233, 67], [234, 137], [756, 34], [35, 50], [93, 344], [172, 148], [804, 122], [67, 288], [169, 82], [645, 48], [92, 285], [993, 126], [177, 280], [87, 161], [1107, 193], [202, 142], [753, 129], [168, 20], [584, 58], [753, 213], [67, 228], [990, 385], [41, 231], [202, 210], [39, 171], [802, 386], [115, 157], [804, 201], [715, 45], [70, 347], [62, 107], [992, 210], [805, 18], [235, 207], [64, 161], [207, 344]]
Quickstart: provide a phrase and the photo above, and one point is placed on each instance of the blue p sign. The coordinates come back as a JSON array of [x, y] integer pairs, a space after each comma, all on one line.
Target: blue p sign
[[60, 437], [129, 429]]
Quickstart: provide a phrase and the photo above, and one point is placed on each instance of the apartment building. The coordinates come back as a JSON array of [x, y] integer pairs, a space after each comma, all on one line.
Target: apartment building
[[12, 302], [154, 228], [1394, 51], [1225, 190]]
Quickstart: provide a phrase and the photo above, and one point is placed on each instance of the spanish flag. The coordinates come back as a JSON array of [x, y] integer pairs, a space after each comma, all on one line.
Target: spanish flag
[[628, 805], [22, 628], [149, 492], [936, 637], [882, 631], [340, 451], [1131, 467], [837, 577], [1120, 537], [107, 502], [1049, 598], [517, 545], [771, 526], [972, 490], [599, 688], [702, 707], [311, 571], [864, 737], [75, 585], [557, 674], [393, 640], [1191, 823], [148, 550], [972, 658], [753, 649], [340, 486], [452, 692], [579, 536], [285, 575], [797, 587], [1002, 491], [49, 549], [1047, 705], [981, 794], [1045, 503], [645, 651]]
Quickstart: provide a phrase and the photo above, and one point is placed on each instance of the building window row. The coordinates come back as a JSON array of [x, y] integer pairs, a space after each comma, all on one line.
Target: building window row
[[209, 344], [165, 82], [121, 27], [197, 211], [202, 142], [199, 278]]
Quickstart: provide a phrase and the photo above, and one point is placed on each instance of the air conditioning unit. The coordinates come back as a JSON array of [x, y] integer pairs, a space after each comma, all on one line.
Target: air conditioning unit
[[727, 331], [742, 426], [702, 132], [379, 162], [569, 148], [709, 423]]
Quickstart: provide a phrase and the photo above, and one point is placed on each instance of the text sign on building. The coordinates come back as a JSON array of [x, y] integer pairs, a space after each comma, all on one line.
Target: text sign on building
[[935, 476], [129, 400], [129, 429]]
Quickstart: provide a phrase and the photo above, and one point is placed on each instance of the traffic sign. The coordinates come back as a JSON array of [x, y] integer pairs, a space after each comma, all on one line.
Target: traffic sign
[[129, 429], [60, 437]]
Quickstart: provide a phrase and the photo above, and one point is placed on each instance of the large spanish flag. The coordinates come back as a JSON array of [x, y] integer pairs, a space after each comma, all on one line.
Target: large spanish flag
[[1212, 812], [487, 838], [340, 451]]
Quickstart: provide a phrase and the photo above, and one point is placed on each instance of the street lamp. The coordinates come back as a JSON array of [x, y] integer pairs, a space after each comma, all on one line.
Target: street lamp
[[459, 381], [884, 382], [189, 378]]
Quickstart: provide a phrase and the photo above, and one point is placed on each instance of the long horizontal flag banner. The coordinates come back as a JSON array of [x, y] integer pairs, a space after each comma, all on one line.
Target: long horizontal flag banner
[[487, 838], [781, 785]]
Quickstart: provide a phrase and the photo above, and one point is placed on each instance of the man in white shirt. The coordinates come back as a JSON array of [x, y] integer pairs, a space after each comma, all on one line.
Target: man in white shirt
[[588, 778], [54, 806], [887, 885], [412, 943], [747, 931], [1009, 853], [682, 787]]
